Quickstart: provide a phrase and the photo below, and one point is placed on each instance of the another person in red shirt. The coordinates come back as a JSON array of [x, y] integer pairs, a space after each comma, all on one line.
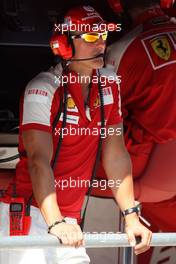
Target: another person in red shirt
[[145, 58]]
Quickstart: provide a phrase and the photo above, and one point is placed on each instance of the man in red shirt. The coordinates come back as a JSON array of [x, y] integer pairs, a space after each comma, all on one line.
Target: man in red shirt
[[59, 194], [145, 58]]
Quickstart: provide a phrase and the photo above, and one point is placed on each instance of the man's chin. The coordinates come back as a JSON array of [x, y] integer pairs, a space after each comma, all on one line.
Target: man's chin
[[98, 63]]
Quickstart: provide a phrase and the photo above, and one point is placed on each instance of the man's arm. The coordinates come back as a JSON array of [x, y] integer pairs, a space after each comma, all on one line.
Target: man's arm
[[39, 147], [117, 165]]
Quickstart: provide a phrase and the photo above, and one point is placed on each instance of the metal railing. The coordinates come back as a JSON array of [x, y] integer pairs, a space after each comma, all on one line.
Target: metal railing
[[91, 241]]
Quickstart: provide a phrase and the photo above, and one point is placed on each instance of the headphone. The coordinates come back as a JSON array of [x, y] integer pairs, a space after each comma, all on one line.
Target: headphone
[[62, 45]]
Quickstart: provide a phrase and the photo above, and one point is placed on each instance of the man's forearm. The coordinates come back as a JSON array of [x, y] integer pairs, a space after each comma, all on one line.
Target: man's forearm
[[120, 169], [44, 190]]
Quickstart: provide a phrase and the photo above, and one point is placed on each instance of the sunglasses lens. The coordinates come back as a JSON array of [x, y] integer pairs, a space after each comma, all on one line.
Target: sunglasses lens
[[91, 37], [104, 36]]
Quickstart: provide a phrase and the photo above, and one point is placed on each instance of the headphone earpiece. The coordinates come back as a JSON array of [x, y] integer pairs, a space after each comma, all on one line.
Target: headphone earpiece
[[62, 46]]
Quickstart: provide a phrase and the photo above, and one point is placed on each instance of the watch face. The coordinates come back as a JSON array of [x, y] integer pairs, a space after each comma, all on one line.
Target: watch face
[[16, 207]]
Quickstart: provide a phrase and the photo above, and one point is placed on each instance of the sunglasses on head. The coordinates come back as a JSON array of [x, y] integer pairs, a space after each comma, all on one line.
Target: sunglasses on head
[[91, 37]]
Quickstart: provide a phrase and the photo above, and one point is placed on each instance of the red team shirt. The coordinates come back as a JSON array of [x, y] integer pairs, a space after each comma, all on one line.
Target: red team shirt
[[38, 109], [145, 58]]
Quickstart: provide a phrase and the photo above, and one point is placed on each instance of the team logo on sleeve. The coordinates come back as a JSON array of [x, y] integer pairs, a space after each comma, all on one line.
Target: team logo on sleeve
[[36, 95], [162, 48]]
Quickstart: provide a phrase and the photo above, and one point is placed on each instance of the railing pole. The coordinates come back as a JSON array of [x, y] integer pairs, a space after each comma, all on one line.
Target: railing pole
[[93, 240]]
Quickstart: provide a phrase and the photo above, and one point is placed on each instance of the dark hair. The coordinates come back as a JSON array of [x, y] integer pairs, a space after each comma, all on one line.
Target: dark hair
[[131, 4]]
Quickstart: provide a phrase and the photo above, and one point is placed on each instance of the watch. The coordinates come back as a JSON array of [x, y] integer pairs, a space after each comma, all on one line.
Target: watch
[[135, 209]]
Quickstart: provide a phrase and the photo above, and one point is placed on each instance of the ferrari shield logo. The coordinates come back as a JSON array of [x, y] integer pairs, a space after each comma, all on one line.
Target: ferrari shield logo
[[161, 47]]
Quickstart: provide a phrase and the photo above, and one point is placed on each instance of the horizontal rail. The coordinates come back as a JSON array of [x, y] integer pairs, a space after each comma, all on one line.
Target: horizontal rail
[[93, 240]]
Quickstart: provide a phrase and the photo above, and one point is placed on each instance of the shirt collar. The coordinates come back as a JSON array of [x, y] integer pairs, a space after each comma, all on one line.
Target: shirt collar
[[75, 89]]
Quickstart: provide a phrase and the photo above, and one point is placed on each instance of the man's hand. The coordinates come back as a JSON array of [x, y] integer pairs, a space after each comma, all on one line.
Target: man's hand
[[69, 234], [135, 229]]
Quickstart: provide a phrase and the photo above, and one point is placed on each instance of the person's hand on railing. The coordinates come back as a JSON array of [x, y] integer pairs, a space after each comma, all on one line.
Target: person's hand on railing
[[134, 228], [68, 234]]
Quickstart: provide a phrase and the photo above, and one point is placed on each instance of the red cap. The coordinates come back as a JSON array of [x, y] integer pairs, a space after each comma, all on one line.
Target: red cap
[[86, 19]]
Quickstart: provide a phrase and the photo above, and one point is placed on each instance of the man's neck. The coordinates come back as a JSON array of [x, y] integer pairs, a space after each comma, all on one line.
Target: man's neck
[[85, 77], [84, 73]]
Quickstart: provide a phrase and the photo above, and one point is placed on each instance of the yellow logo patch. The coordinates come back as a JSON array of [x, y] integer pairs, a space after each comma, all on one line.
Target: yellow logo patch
[[97, 102], [70, 103], [162, 47]]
